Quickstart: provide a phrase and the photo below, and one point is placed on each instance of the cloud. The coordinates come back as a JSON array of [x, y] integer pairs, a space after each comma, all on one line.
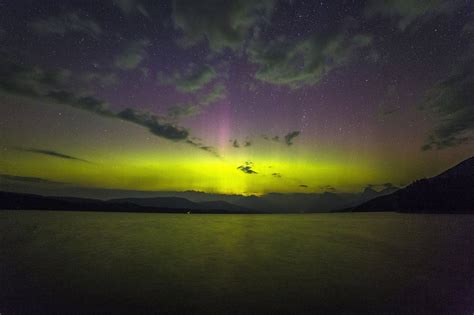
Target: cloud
[[154, 124], [203, 147], [133, 55], [224, 24], [217, 93], [289, 137], [39, 85], [303, 186], [52, 153], [297, 63], [67, 23], [33, 81], [451, 103], [406, 12], [25, 179], [236, 144], [268, 138], [131, 6], [277, 175], [89, 103], [29, 81], [328, 188], [192, 109], [247, 168], [192, 79]]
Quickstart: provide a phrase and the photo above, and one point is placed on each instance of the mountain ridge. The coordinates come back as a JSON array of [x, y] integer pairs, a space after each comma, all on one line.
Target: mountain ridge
[[452, 191]]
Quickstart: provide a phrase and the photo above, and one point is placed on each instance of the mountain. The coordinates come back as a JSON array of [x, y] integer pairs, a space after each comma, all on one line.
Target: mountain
[[183, 203], [450, 192], [159, 202], [368, 193], [19, 201]]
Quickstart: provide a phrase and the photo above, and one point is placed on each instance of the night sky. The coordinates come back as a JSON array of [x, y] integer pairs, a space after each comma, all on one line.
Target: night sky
[[242, 97]]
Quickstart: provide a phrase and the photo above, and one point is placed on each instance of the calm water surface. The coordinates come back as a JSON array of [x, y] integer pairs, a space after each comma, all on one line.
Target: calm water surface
[[313, 263]]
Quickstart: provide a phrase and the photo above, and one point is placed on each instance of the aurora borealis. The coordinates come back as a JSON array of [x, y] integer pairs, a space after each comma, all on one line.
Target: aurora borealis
[[235, 97]]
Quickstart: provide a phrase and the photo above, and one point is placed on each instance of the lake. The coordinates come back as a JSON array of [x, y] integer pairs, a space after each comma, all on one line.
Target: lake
[[310, 263]]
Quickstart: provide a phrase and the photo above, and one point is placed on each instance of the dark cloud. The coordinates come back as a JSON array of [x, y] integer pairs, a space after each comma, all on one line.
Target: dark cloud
[[89, 103], [224, 24], [328, 188], [133, 55], [215, 94], [304, 186], [129, 7], [192, 79], [203, 147], [451, 103], [277, 175], [25, 179], [289, 137], [192, 109], [268, 138], [28, 81], [154, 124], [39, 85], [247, 168], [296, 63], [236, 144], [32, 81], [176, 112], [52, 153], [407, 12], [67, 23]]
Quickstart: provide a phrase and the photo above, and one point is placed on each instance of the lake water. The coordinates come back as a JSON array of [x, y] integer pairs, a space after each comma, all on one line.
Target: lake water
[[310, 263]]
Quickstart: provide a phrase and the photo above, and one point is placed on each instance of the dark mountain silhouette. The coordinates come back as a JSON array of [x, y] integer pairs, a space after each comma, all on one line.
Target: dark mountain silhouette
[[450, 192], [159, 202], [182, 203], [198, 202], [19, 201], [269, 202], [307, 202], [368, 193]]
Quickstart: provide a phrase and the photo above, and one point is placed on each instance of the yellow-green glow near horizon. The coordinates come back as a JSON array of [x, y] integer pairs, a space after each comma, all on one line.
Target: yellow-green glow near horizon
[[119, 161], [203, 172]]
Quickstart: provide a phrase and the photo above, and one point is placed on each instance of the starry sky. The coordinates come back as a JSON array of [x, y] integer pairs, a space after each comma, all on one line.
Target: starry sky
[[236, 97]]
